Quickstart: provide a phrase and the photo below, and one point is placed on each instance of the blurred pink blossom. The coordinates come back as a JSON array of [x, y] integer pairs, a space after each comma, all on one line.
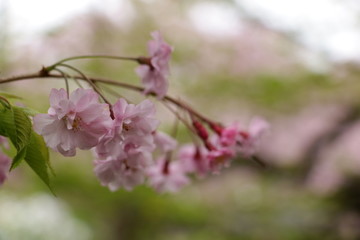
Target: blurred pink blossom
[[164, 142], [5, 163], [154, 73], [248, 140], [166, 176], [220, 157], [4, 142], [125, 170], [115, 173], [194, 159]]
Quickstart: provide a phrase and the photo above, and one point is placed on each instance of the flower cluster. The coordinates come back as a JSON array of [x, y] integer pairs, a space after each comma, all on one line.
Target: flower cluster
[[125, 151], [125, 145], [128, 148]]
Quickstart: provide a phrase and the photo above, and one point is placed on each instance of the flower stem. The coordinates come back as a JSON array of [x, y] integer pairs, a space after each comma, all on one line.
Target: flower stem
[[51, 67], [92, 84], [44, 73], [66, 81]]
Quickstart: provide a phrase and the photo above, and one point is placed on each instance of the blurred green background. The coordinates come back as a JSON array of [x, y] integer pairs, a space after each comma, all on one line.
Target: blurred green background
[[230, 71]]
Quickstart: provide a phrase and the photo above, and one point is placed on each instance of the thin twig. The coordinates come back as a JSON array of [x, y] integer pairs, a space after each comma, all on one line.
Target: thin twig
[[66, 81], [44, 74], [92, 84], [91, 57]]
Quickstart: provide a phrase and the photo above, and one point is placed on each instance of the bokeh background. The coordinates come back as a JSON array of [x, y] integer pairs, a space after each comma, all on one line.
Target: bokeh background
[[296, 63]]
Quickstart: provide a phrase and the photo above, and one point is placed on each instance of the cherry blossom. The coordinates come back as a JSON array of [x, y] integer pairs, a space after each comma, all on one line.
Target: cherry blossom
[[220, 157], [155, 69], [164, 142], [79, 121], [194, 159], [5, 163], [166, 176], [126, 169], [247, 141], [115, 173], [126, 150], [229, 135], [133, 126], [4, 142], [136, 119], [243, 141], [124, 136]]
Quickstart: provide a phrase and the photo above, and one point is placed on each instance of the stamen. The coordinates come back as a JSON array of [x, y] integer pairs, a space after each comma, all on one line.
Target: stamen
[[77, 124], [126, 127]]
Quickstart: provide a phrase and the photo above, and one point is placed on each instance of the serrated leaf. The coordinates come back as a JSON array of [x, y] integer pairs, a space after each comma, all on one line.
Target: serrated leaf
[[16, 125], [29, 111], [23, 128], [17, 159], [37, 156], [7, 126]]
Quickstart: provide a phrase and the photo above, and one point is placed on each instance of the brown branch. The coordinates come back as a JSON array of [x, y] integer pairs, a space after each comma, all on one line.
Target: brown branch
[[45, 74]]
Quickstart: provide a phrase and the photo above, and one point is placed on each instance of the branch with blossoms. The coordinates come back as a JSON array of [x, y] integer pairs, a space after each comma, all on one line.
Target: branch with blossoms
[[128, 148]]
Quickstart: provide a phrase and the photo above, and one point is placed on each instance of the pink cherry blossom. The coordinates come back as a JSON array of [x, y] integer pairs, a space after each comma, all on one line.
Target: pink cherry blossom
[[166, 176], [229, 135], [4, 142], [137, 119], [79, 121], [116, 173], [133, 126], [128, 146], [243, 141], [247, 141], [109, 145], [194, 159], [125, 170], [220, 157], [164, 142], [137, 153], [154, 73], [5, 162]]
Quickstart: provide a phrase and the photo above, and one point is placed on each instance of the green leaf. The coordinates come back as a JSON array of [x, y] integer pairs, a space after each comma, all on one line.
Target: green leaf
[[17, 159], [37, 156], [16, 125], [7, 125], [23, 129], [11, 96], [29, 111]]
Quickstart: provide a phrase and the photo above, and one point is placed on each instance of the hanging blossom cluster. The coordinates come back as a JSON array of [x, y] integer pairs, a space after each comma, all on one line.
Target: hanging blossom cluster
[[128, 148]]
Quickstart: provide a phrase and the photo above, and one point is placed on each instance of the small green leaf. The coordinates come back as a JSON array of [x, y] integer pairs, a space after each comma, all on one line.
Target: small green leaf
[[23, 128], [4, 102], [7, 123], [17, 159], [29, 111], [16, 125], [37, 156], [11, 96]]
